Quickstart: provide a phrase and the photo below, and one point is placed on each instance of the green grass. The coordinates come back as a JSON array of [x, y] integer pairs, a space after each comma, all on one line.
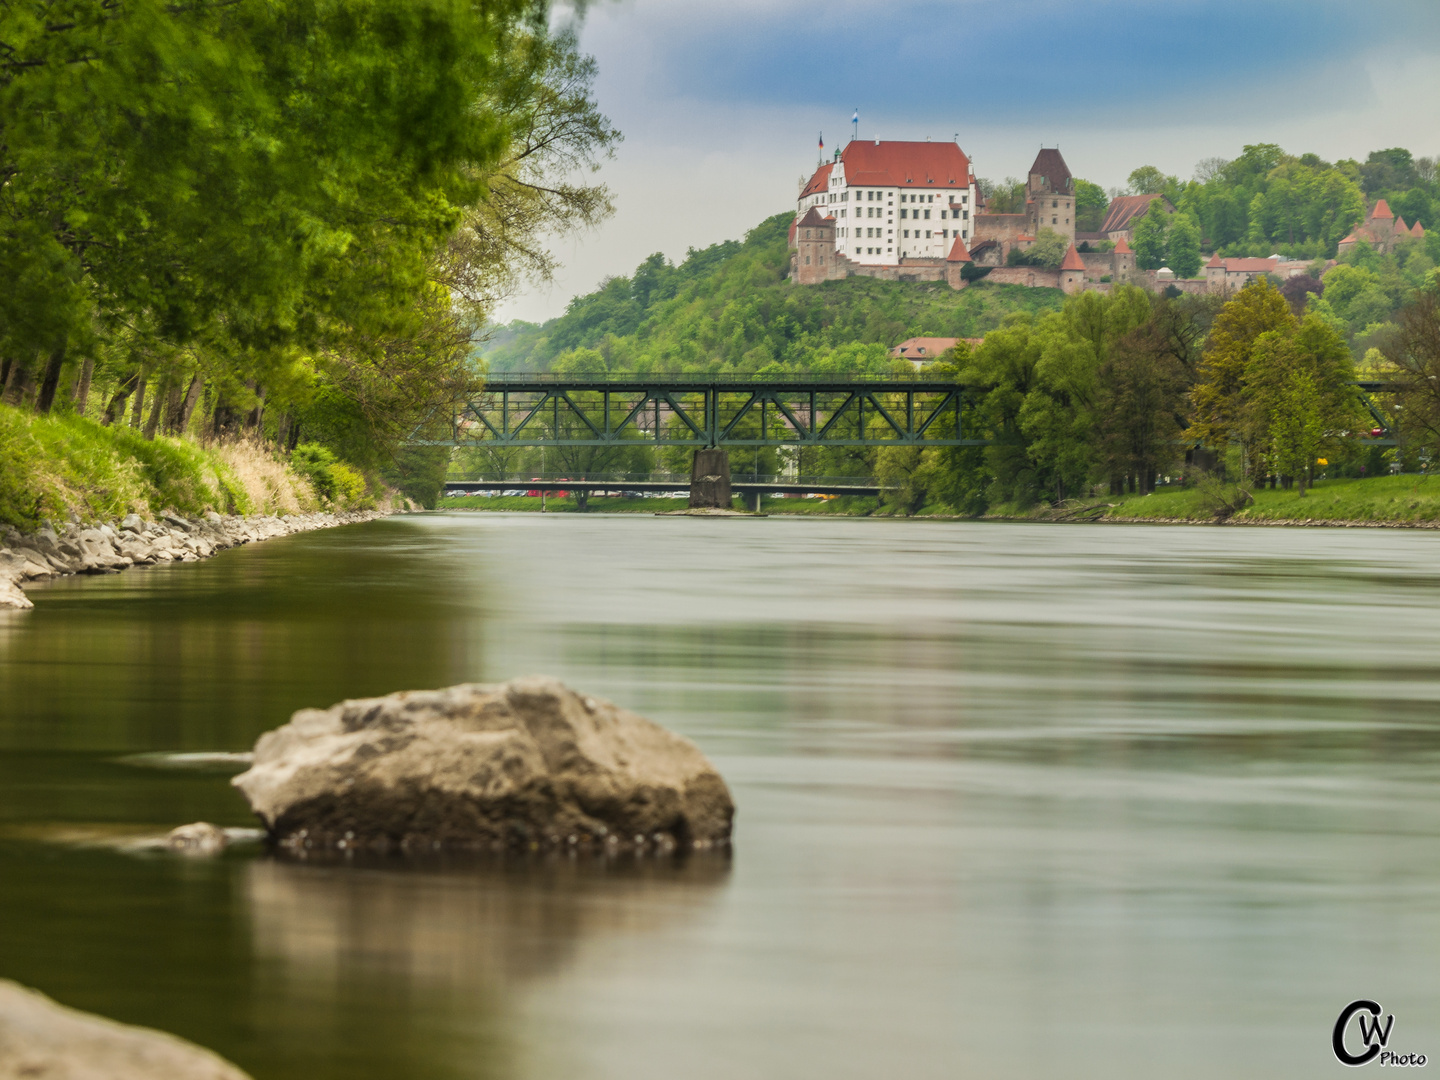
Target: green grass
[[1410, 499], [54, 466]]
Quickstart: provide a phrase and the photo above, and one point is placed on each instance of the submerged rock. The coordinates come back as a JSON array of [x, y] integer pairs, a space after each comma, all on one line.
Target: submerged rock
[[200, 838], [40, 1038], [522, 765]]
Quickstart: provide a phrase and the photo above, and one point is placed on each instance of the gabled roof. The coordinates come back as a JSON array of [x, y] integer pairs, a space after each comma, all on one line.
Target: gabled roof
[[1050, 165], [915, 165], [959, 252], [1124, 210], [1351, 239], [1072, 260], [928, 347], [813, 217], [1381, 210], [819, 182], [1122, 248]]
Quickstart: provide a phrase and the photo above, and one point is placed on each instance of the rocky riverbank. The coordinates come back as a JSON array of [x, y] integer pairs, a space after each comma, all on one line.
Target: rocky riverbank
[[134, 541]]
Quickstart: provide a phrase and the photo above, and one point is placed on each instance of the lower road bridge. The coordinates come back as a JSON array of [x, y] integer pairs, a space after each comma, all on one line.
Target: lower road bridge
[[709, 413]]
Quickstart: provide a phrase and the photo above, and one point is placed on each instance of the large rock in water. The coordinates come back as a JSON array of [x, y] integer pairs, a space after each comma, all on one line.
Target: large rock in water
[[526, 764], [41, 1039]]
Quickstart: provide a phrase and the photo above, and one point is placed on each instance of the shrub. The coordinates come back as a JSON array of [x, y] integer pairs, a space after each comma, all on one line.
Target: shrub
[[332, 479]]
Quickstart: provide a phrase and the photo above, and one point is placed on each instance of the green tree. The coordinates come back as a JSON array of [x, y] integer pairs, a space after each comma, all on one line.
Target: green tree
[[1219, 397], [1091, 205], [1183, 249], [1150, 237], [1048, 251], [1148, 180], [1297, 428]]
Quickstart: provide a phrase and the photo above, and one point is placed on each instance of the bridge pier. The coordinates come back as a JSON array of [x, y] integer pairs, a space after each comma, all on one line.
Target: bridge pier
[[710, 479]]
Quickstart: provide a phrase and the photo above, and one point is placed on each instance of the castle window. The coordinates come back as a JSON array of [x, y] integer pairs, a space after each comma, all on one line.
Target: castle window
[[1054, 221], [942, 215], [1053, 204], [907, 234], [927, 214], [807, 260], [927, 234]]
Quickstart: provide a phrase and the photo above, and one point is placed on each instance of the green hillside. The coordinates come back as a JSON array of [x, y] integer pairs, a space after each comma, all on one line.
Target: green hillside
[[729, 308]]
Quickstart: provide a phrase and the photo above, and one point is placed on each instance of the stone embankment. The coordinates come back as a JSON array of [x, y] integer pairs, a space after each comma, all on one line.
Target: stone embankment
[[134, 541], [42, 1039]]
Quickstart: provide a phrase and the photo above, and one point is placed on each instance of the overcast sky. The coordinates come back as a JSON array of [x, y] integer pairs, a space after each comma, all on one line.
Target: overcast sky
[[721, 103]]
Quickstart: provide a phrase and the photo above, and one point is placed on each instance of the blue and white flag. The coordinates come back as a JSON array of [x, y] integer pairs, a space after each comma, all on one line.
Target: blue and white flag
[[856, 118]]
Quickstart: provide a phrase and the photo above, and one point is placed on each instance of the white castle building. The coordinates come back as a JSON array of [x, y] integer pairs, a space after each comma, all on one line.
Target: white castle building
[[894, 200]]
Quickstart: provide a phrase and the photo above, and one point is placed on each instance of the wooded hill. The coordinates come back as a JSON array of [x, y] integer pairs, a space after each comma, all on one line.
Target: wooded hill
[[729, 308]]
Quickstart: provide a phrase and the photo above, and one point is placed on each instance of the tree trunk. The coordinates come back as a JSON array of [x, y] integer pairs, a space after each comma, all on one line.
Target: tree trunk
[[115, 407], [15, 382], [51, 383], [282, 429], [153, 424], [137, 407], [5, 372], [254, 417], [192, 398], [173, 398], [82, 385], [294, 436]]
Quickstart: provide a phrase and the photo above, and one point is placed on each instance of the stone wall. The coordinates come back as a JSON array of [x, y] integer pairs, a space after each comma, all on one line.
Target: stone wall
[[1036, 277]]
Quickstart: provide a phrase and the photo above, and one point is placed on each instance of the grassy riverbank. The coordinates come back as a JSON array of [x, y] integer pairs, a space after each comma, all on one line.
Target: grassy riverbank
[[54, 466], [1400, 500]]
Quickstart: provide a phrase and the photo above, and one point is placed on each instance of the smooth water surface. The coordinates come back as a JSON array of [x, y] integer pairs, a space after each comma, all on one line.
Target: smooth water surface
[[1014, 801]]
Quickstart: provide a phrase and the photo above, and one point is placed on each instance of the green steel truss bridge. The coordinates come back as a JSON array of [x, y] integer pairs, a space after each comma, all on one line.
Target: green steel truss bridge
[[703, 411]]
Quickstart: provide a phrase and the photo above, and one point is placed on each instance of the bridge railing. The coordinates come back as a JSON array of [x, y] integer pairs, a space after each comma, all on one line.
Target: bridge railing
[[678, 479]]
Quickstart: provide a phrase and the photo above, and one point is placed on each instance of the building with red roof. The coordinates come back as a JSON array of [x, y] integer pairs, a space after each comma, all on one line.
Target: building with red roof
[[893, 201], [1382, 229]]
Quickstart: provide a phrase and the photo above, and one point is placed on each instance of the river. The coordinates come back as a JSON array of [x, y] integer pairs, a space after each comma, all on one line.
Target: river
[[1013, 800]]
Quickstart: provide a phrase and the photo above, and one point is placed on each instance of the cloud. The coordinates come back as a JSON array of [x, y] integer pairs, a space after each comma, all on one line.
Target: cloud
[[720, 103]]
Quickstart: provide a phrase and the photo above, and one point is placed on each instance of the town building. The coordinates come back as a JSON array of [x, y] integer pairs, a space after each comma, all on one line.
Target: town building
[[892, 201], [1382, 230], [1124, 214]]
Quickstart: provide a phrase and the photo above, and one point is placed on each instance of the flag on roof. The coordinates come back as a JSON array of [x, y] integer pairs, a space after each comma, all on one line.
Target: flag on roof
[[856, 118], [822, 140]]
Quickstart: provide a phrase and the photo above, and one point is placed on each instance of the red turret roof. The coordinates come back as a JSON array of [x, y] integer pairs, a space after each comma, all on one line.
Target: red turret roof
[[1122, 248], [1382, 210], [819, 182], [905, 164], [1215, 263], [812, 217], [1400, 226], [959, 252], [1418, 230], [1072, 260]]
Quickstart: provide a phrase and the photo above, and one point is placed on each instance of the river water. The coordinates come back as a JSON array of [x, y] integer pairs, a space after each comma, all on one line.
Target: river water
[[1013, 801]]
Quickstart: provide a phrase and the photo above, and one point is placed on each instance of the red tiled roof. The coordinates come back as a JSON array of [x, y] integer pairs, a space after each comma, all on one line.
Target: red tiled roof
[[928, 347], [905, 164], [1072, 260], [1124, 210], [959, 252], [819, 182], [812, 217], [1351, 239], [1400, 226], [1215, 263], [1382, 210], [1122, 248], [1418, 230]]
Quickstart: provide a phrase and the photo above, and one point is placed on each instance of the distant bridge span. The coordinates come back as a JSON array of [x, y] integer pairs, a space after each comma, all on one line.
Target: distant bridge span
[[709, 411]]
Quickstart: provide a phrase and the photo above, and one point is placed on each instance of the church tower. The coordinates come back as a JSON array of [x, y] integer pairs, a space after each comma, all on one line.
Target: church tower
[[1050, 195]]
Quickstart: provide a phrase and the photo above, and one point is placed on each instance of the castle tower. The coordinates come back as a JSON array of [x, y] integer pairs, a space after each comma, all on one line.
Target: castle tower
[[1072, 273], [815, 249], [1050, 195], [1124, 262]]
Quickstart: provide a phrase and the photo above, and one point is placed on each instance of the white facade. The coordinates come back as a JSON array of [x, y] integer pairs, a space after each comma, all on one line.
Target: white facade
[[881, 225]]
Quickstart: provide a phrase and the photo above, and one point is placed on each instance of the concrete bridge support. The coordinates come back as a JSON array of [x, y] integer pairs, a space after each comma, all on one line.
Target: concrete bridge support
[[710, 479]]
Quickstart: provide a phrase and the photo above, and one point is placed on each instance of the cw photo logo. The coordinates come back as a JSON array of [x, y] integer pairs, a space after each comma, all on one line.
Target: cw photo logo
[[1374, 1036]]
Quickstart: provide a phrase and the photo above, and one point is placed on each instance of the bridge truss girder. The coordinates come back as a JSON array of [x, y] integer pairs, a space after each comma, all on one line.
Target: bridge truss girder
[[581, 412]]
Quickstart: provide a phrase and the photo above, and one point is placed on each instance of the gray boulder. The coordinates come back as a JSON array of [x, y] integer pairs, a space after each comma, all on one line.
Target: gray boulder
[[39, 1038], [523, 765]]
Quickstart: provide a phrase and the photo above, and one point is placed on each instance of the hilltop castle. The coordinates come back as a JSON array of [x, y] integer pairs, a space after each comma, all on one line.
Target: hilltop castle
[[913, 211]]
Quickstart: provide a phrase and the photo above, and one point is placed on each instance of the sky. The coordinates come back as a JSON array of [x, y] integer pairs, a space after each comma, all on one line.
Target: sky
[[721, 104]]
